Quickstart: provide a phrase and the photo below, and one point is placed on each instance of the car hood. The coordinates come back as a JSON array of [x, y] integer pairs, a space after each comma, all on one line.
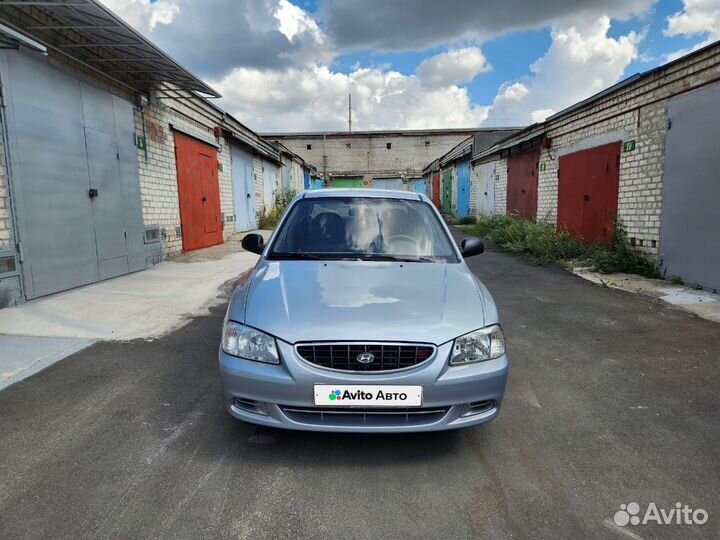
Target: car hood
[[356, 300]]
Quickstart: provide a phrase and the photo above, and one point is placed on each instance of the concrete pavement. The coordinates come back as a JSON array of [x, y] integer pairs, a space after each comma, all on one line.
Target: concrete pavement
[[143, 305], [612, 398]]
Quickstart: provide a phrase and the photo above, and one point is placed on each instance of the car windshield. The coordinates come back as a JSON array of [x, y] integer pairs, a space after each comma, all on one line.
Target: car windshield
[[363, 228]]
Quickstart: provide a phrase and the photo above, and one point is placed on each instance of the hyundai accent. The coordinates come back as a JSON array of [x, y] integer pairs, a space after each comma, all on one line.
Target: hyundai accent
[[361, 315]]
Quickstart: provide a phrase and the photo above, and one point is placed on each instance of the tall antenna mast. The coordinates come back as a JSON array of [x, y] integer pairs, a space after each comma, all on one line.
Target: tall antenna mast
[[349, 112]]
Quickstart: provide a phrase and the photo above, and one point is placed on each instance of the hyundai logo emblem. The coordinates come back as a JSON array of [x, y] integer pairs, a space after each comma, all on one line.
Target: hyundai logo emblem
[[365, 358]]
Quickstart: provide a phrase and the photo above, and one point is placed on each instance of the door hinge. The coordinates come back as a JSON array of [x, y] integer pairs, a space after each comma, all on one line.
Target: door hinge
[[21, 255], [2, 97], [669, 123], [118, 156]]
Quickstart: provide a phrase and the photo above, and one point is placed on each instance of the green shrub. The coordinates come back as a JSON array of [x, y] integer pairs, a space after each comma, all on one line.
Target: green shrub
[[283, 198], [544, 244], [467, 220]]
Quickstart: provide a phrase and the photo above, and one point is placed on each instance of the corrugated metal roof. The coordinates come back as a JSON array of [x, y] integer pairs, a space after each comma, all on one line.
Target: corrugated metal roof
[[89, 33], [530, 132], [462, 149]]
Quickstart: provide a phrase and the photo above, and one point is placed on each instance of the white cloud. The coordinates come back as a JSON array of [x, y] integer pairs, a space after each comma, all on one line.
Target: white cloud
[[144, 15], [540, 115], [458, 66], [581, 61], [271, 61], [697, 17], [316, 98], [295, 21]]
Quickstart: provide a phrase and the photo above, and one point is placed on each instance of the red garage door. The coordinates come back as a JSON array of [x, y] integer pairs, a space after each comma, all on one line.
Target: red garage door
[[588, 193], [522, 184], [199, 193], [436, 189]]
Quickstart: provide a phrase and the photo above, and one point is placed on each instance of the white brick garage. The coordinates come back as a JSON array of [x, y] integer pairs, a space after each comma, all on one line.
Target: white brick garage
[[634, 114]]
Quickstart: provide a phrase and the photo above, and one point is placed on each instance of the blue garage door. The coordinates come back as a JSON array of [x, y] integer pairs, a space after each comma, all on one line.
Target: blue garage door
[[463, 187], [419, 186]]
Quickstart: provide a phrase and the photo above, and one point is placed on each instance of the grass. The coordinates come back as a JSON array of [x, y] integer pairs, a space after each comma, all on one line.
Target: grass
[[543, 244], [282, 200]]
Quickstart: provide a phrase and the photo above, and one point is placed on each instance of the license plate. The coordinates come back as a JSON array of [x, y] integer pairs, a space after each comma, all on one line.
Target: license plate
[[368, 395]]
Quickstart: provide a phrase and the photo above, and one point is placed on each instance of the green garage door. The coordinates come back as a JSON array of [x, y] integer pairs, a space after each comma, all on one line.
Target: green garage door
[[447, 191], [347, 182]]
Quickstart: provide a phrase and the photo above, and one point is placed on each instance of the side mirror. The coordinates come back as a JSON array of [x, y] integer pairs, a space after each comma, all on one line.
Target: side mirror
[[253, 243], [471, 246]]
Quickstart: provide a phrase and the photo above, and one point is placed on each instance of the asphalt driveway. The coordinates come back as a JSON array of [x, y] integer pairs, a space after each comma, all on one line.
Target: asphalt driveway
[[613, 398]]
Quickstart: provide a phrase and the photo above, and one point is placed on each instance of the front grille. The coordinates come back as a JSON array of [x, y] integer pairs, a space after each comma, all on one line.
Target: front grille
[[377, 356], [372, 417]]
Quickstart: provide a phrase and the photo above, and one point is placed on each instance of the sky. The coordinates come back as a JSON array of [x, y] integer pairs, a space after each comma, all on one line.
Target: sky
[[286, 65]]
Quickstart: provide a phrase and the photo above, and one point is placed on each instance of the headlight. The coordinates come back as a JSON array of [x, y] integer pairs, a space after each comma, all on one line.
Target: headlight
[[245, 342], [485, 344]]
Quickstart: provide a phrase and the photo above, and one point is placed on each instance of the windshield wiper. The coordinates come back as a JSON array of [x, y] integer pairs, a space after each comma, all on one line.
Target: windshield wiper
[[393, 258], [300, 256]]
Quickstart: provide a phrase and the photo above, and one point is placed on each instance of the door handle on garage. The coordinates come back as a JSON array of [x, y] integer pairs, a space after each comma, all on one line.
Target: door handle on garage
[[204, 199], [92, 193], [586, 198], [248, 195]]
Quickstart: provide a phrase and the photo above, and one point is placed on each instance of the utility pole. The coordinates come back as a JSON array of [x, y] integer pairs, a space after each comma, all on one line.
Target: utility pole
[[349, 112]]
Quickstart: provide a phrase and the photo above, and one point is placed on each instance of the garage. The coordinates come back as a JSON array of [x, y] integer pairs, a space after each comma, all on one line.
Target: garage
[[347, 182], [243, 188], [522, 184], [690, 221], [463, 189], [446, 205], [436, 188], [199, 192], [75, 177], [485, 173], [270, 183], [419, 185], [588, 184], [388, 183]]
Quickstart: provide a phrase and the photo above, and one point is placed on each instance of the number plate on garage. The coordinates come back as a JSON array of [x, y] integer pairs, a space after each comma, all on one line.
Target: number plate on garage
[[368, 395]]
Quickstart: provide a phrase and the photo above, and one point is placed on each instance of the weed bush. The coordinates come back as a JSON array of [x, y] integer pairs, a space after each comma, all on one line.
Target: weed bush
[[283, 198], [543, 244]]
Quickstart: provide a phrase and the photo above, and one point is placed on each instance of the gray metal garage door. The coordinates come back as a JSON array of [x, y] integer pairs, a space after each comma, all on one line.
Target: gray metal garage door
[[690, 231], [388, 183], [486, 189], [66, 139], [243, 188]]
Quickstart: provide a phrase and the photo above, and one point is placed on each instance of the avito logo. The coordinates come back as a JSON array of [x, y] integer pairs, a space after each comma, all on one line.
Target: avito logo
[[338, 395]]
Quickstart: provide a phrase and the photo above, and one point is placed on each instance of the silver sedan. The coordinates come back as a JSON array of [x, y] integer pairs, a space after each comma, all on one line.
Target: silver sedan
[[362, 316]]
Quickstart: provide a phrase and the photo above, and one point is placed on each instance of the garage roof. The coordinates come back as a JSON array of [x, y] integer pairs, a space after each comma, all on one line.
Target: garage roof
[[91, 34]]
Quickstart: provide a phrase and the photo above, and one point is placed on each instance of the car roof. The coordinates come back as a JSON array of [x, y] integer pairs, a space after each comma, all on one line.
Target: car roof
[[361, 192]]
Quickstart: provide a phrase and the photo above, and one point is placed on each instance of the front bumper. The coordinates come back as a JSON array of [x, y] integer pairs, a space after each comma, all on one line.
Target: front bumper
[[283, 395]]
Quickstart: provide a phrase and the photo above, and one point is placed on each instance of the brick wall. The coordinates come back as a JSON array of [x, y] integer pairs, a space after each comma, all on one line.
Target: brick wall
[[258, 177], [501, 166], [158, 173], [227, 205], [5, 217], [368, 155]]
